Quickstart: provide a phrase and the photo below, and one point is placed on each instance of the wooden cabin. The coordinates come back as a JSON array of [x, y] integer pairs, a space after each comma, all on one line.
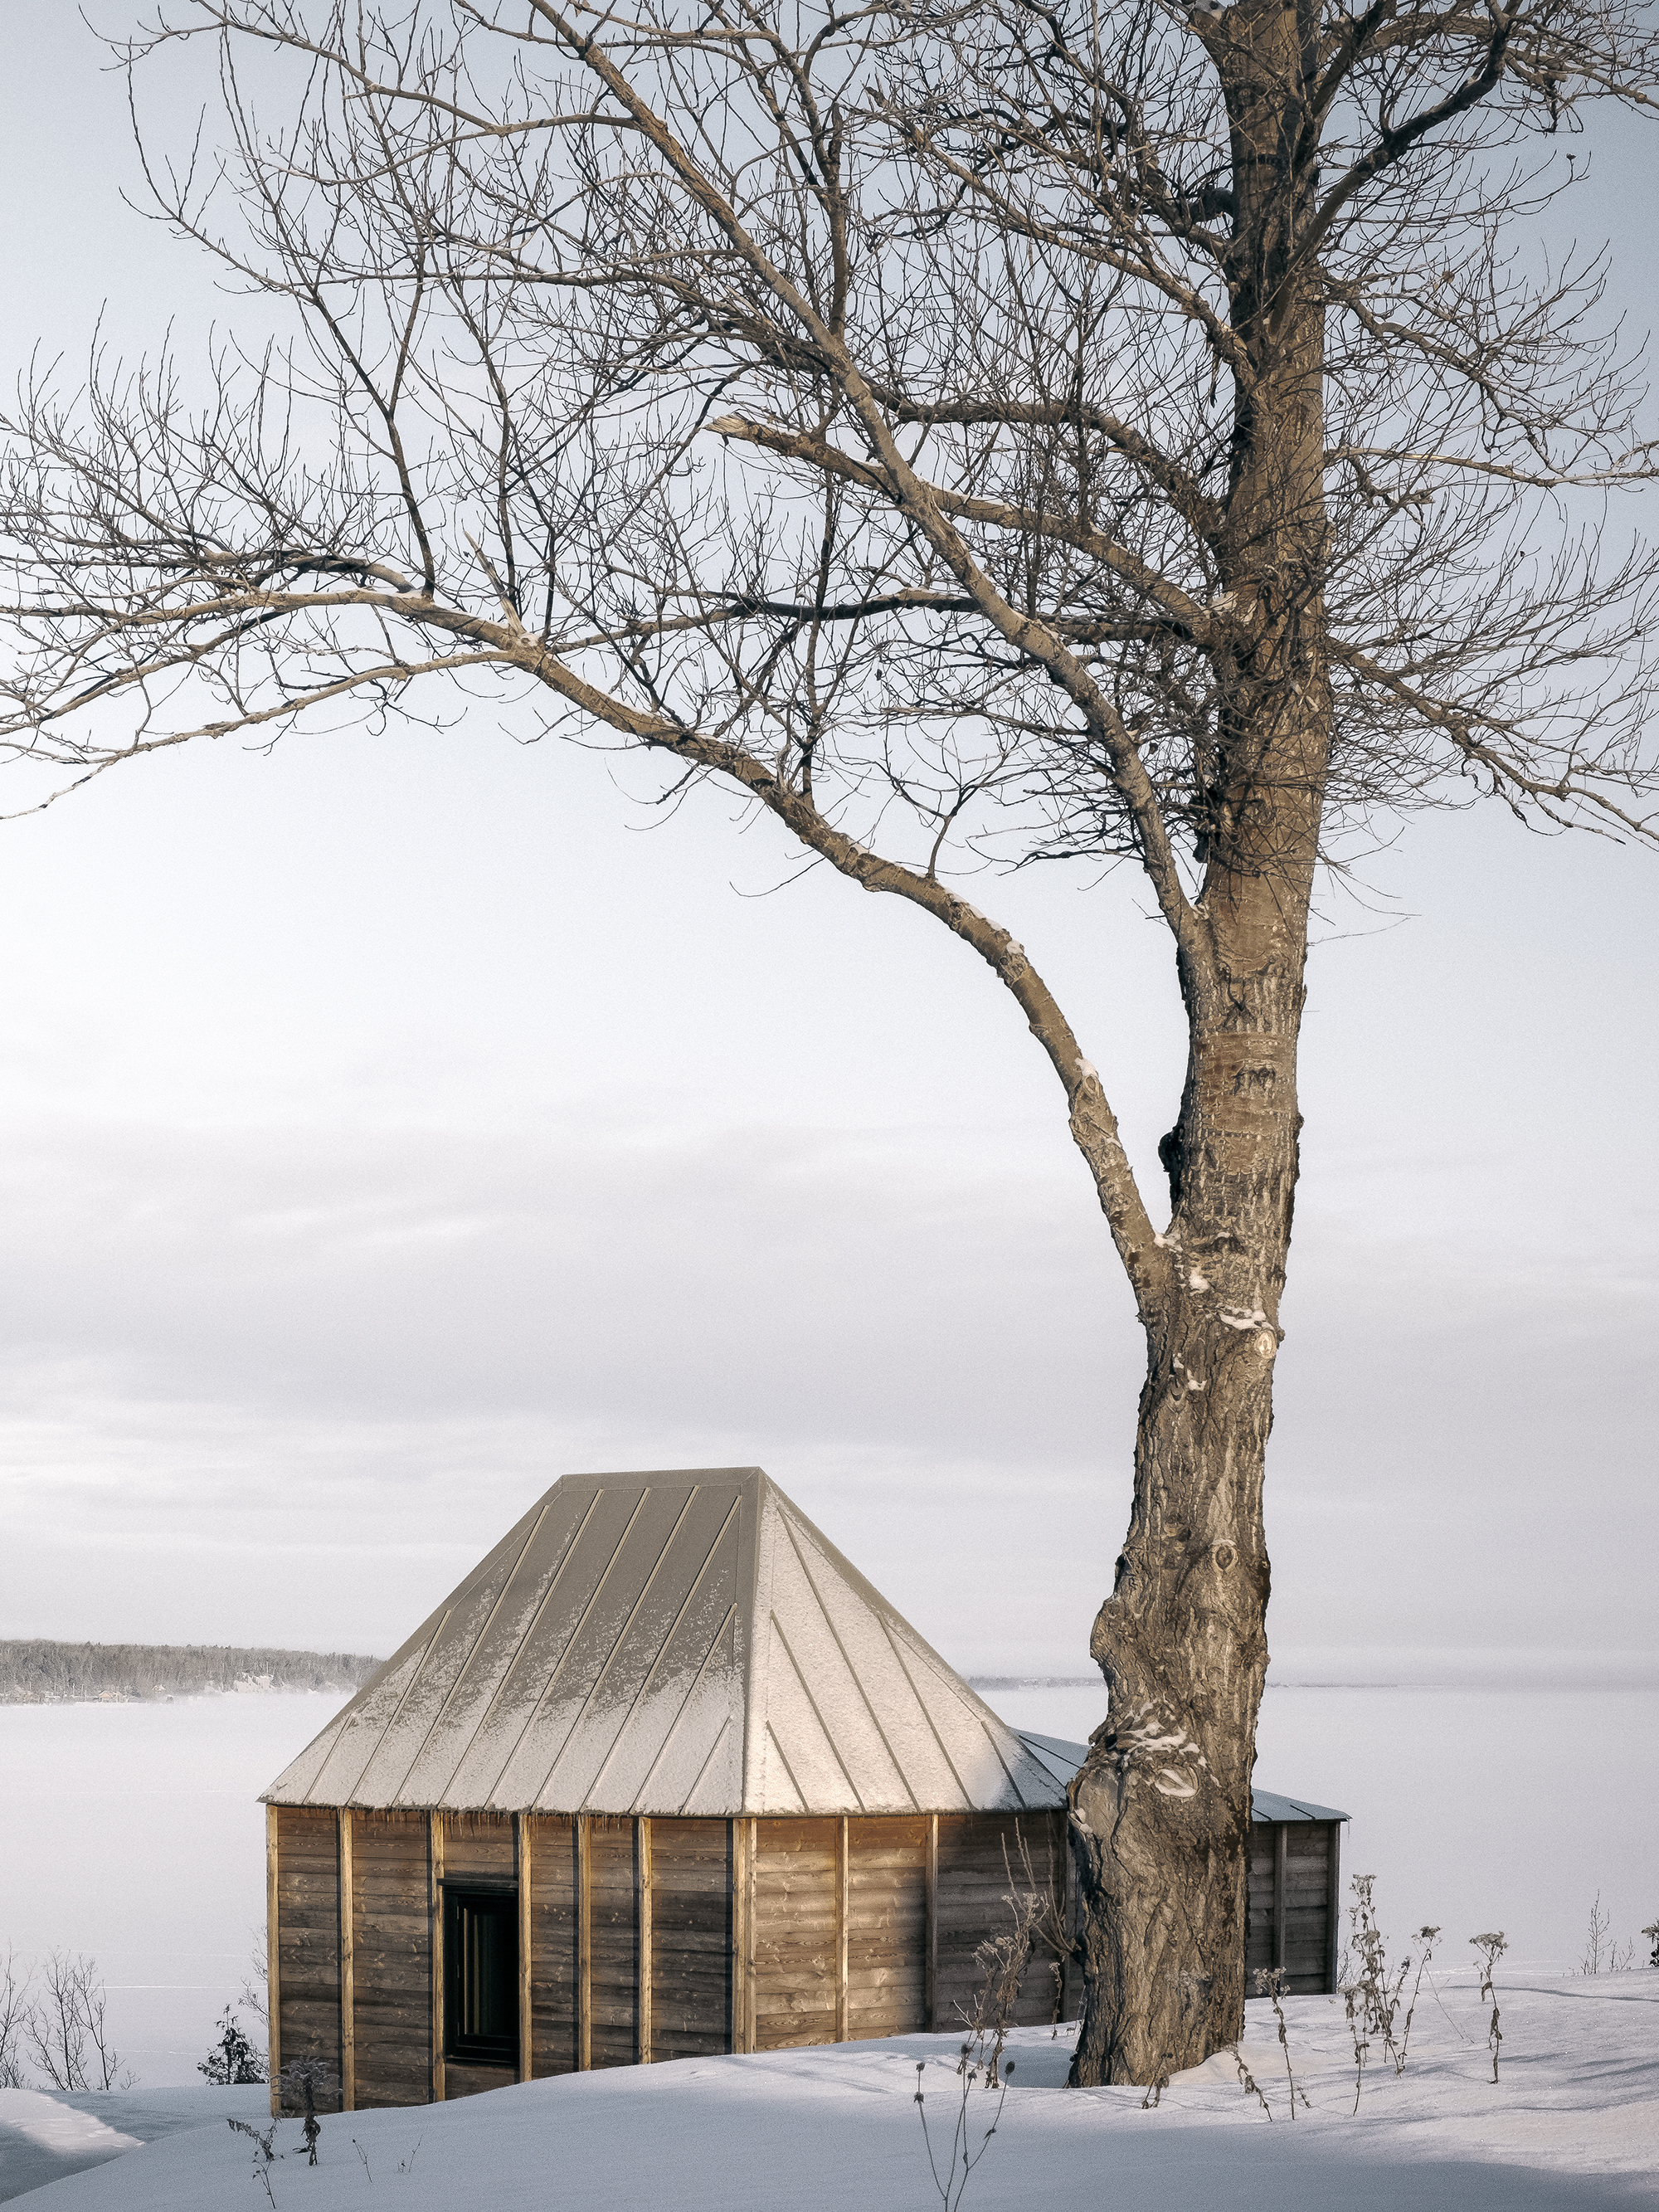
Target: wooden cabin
[[1293, 1904], [664, 1777]]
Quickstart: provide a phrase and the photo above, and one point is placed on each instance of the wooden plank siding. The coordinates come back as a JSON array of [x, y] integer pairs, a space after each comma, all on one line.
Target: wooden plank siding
[[794, 1933], [979, 1867], [392, 1961], [308, 1940], [886, 1927], [614, 1939], [552, 1944], [1290, 1904], [692, 1926], [710, 1935]]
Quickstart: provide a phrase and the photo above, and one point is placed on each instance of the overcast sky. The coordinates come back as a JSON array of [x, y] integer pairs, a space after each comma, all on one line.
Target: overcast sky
[[390, 1124]]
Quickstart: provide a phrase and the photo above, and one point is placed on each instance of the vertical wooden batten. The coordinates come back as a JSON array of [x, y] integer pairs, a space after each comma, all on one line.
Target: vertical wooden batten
[[842, 1886], [1280, 1850], [740, 2024], [273, 1974], [1333, 1902], [642, 1877], [584, 1945], [435, 1862], [931, 1999], [347, 1971], [521, 1871]]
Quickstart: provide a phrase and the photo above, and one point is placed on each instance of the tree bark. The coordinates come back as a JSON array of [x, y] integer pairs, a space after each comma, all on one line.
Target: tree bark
[[1161, 1810]]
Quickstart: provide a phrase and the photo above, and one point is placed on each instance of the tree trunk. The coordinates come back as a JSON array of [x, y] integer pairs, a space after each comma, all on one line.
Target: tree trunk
[[1160, 1812]]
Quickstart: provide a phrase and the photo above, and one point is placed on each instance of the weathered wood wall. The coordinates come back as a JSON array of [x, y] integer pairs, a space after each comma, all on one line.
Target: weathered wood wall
[[392, 1979], [979, 1864], [1293, 1904], [308, 1944], [797, 1925], [647, 1940]]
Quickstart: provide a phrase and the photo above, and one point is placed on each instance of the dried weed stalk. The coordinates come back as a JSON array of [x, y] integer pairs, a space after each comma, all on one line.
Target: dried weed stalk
[[1270, 1983], [1492, 1948], [1248, 2084]]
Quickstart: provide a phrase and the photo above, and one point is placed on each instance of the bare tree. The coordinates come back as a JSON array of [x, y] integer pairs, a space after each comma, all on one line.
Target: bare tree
[[978, 436], [15, 1989], [65, 2029]]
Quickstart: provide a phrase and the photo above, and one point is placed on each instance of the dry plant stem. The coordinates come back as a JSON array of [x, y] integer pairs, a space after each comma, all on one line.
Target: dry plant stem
[[1491, 1947], [965, 2156], [1270, 1983], [1251, 2086], [1426, 1938], [972, 437]]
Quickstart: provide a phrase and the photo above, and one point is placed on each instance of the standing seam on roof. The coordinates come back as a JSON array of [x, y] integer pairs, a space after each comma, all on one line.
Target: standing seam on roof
[[800, 1795], [1024, 1802], [633, 1614], [927, 1714], [542, 1604], [546, 1690], [414, 1676], [460, 1675], [662, 1754], [662, 1653], [835, 1752], [852, 1670], [726, 1730]]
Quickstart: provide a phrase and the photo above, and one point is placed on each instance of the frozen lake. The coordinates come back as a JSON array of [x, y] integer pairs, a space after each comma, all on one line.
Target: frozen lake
[[134, 1832]]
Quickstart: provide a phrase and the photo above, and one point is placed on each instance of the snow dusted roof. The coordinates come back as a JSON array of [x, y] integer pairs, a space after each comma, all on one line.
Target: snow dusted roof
[[678, 1643]]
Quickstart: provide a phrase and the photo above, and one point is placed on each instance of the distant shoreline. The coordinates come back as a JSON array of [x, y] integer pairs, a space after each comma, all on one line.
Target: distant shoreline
[[42, 1671]]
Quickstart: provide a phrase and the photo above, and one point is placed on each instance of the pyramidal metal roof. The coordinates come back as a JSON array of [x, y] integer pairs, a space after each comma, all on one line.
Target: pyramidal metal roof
[[683, 1641]]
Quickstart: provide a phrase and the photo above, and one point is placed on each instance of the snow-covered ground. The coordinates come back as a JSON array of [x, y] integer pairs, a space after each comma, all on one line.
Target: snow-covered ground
[[1572, 2123], [143, 1842]]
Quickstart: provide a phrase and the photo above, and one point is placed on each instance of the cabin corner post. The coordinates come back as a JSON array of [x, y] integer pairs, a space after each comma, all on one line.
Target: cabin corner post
[[1333, 1902], [931, 2014], [1068, 1964], [434, 1864], [642, 1882], [273, 1971], [1281, 1848], [583, 1946], [843, 1883], [348, 1969], [751, 1885], [522, 1876]]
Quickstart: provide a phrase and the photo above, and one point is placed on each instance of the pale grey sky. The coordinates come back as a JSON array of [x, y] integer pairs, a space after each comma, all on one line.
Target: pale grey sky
[[389, 1124]]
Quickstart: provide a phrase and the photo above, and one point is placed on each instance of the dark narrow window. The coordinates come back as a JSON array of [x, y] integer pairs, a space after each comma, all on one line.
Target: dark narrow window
[[481, 1976]]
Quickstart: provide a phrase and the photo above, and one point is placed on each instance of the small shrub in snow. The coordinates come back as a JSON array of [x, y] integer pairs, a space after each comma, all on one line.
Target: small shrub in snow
[[1492, 1948], [301, 2082], [232, 2060], [1603, 1956], [1652, 1935]]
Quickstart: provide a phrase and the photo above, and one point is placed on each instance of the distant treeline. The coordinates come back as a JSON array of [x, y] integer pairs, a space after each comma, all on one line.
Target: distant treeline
[[36, 1672]]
